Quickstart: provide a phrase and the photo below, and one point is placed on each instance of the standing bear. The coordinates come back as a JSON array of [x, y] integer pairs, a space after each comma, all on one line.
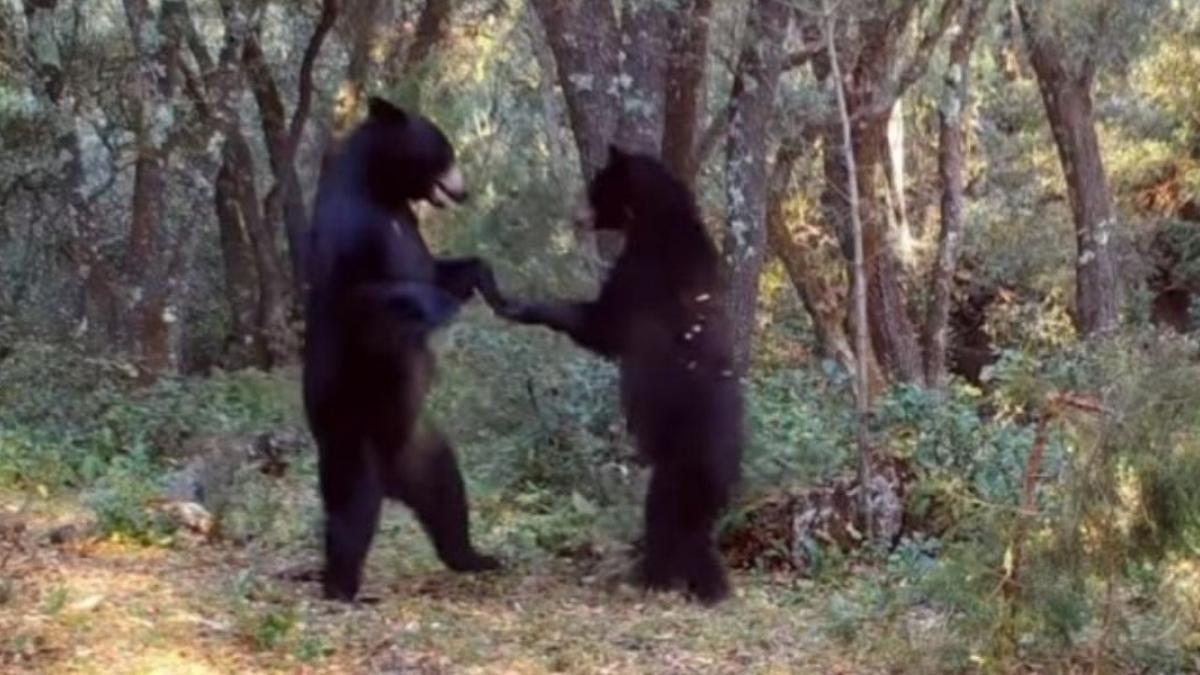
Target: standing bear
[[660, 315], [375, 293]]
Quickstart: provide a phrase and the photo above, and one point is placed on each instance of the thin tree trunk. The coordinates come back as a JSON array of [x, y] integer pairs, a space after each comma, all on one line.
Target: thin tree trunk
[[285, 200], [862, 402], [273, 120], [759, 66], [241, 278], [1066, 93], [951, 118], [272, 335], [878, 74]]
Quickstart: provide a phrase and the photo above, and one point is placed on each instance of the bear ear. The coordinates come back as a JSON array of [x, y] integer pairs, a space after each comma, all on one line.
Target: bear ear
[[382, 109], [616, 155]]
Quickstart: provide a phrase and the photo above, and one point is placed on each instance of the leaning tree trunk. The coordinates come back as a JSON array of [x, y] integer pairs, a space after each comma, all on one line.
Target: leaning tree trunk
[[950, 170], [1067, 95], [819, 280], [747, 174]]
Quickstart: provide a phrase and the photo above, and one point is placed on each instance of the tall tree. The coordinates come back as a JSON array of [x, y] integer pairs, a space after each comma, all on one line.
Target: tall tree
[[688, 29], [951, 122], [151, 267], [877, 68], [284, 204], [1066, 87], [101, 306], [752, 109]]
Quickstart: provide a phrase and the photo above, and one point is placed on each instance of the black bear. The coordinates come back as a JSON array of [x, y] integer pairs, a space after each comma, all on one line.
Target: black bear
[[660, 316], [375, 293]]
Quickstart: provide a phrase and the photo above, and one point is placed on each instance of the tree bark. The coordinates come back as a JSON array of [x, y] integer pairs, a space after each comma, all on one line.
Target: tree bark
[[893, 334], [688, 28], [273, 341], [951, 120], [273, 120], [875, 77], [100, 300], [753, 108], [583, 36], [360, 22], [799, 249], [862, 394], [154, 322], [645, 43], [431, 29], [1067, 94], [241, 278]]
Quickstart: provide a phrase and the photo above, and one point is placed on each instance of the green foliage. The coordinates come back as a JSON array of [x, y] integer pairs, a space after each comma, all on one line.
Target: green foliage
[[122, 498], [800, 426], [1116, 494], [529, 409], [65, 416]]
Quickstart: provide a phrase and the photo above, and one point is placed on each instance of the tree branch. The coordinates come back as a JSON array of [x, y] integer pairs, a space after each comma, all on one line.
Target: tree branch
[[329, 12]]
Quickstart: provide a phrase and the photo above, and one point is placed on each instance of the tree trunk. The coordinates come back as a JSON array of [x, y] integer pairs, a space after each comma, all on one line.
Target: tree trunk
[[893, 335], [645, 44], [153, 321], [241, 279], [1066, 93], [584, 39], [360, 21], [862, 394], [753, 108], [272, 335], [431, 28], [100, 308], [688, 28], [951, 115], [799, 249], [288, 212]]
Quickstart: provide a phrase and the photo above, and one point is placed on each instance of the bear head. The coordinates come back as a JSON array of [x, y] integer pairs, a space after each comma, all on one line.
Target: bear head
[[406, 158]]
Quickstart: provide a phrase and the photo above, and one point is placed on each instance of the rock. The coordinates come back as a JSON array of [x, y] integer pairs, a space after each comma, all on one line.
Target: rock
[[189, 516], [209, 465], [87, 604], [65, 534]]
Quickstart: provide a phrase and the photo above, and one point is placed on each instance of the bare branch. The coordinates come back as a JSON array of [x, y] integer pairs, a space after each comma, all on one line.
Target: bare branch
[[329, 12], [861, 338]]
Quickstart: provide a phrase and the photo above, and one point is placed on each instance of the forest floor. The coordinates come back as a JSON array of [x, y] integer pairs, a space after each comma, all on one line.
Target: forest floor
[[93, 605]]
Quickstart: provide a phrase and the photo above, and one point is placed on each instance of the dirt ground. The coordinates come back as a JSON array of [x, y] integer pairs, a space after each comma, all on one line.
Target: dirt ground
[[89, 605]]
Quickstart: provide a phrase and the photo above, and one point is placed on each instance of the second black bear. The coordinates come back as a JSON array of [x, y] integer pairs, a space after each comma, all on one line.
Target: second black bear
[[660, 316], [375, 294]]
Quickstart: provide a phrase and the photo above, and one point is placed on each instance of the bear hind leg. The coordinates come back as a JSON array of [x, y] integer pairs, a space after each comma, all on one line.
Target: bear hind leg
[[681, 511], [352, 496], [426, 478]]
